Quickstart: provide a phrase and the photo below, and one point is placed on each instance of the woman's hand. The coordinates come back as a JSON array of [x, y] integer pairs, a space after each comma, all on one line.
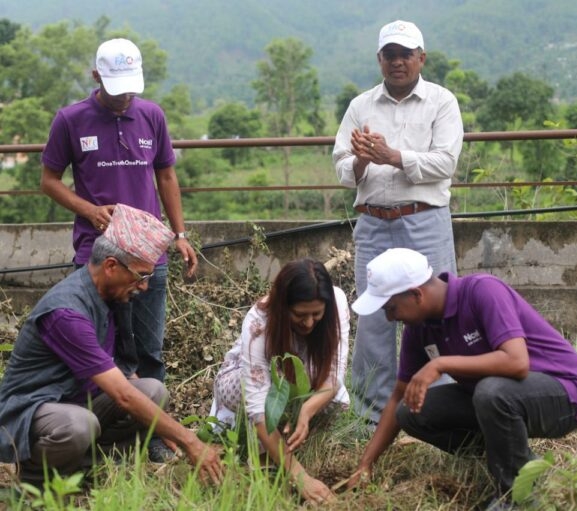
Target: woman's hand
[[310, 408], [313, 490], [300, 433]]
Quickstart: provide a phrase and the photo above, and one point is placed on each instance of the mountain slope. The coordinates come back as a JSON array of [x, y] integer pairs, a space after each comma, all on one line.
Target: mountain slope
[[213, 45]]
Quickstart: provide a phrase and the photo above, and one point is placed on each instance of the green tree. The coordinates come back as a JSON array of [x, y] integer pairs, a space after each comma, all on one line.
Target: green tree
[[543, 159], [343, 99], [470, 83], [40, 73], [234, 120], [570, 146], [521, 102], [177, 107], [287, 86], [288, 89], [517, 97], [53, 65], [8, 30], [571, 116], [24, 122], [436, 67], [470, 90]]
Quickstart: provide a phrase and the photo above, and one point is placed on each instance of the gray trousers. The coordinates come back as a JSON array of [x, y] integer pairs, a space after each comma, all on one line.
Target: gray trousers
[[374, 362], [62, 434]]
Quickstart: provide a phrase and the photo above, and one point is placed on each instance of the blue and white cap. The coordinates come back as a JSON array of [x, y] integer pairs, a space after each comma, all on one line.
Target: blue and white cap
[[119, 64], [401, 32]]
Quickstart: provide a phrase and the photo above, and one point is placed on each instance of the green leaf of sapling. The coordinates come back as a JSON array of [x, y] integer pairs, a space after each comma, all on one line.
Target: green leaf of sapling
[[275, 404]]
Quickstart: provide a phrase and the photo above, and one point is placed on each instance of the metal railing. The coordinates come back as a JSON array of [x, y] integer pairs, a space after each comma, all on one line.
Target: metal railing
[[498, 136], [492, 136]]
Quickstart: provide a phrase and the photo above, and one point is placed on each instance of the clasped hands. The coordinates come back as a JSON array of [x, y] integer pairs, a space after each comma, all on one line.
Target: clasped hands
[[370, 147]]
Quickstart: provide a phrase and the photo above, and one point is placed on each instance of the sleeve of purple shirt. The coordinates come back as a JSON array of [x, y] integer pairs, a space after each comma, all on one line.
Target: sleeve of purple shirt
[[72, 337], [498, 311], [57, 153]]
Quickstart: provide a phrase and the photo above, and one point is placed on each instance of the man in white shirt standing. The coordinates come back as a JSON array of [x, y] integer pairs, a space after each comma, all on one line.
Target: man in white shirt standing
[[398, 145]]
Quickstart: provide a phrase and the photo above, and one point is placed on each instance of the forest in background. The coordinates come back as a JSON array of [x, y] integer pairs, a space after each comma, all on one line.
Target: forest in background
[[42, 70], [213, 46]]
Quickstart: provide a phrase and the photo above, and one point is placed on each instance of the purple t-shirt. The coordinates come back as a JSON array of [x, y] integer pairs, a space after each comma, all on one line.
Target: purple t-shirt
[[72, 337], [113, 157], [482, 312]]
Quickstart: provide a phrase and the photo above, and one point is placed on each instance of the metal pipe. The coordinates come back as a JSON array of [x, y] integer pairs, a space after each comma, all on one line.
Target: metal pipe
[[488, 136]]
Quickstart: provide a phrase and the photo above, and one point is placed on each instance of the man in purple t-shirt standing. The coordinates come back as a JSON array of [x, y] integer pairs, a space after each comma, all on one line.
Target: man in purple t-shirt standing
[[516, 376], [119, 147]]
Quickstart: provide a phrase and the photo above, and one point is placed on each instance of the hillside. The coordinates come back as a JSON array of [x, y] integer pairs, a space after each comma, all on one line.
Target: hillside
[[213, 45]]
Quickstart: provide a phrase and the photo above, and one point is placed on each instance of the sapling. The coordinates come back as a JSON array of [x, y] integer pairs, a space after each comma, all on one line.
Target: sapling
[[284, 398]]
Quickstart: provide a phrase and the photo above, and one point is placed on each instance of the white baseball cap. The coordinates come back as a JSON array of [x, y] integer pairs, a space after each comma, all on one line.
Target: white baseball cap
[[401, 32], [394, 271], [119, 64]]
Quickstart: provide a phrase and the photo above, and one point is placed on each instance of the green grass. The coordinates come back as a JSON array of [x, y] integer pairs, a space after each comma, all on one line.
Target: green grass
[[409, 476], [203, 320]]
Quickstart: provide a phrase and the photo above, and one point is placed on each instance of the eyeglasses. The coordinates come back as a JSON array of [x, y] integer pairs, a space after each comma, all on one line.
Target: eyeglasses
[[140, 277]]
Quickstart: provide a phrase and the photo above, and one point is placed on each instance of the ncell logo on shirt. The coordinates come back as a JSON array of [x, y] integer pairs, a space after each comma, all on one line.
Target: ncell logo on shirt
[[472, 338], [145, 143]]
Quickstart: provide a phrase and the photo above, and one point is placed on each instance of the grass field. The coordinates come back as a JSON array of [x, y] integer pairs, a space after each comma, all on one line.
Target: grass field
[[203, 320]]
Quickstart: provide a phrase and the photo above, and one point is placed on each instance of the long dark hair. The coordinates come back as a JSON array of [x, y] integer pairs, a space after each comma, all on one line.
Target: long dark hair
[[303, 280]]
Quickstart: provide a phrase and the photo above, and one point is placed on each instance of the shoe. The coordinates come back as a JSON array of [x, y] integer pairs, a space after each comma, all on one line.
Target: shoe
[[158, 452]]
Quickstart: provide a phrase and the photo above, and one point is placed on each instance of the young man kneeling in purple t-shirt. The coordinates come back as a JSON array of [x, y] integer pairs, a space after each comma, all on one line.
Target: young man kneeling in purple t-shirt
[[515, 375]]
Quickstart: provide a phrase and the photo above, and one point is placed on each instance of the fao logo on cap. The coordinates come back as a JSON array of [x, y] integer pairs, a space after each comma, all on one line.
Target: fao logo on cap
[[122, 60]]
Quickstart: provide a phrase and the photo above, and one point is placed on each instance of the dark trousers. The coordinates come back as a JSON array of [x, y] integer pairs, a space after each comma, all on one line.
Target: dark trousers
[[499, 417]]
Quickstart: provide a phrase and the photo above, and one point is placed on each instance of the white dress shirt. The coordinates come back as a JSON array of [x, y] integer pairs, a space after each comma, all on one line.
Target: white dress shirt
[[426, 127], [255, 368]]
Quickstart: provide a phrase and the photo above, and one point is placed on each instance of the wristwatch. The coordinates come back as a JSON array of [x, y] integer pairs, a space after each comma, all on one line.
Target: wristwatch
[[180, 236]]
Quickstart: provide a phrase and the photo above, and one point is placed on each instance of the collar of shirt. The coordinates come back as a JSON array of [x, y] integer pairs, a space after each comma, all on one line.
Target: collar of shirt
[[420, 91], [106, 112]]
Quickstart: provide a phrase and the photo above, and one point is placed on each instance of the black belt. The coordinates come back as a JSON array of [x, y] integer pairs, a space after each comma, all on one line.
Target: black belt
[[393, 212]]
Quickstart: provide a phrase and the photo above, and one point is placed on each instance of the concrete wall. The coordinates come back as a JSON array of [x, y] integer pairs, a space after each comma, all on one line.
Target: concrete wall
[[539, 259]]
